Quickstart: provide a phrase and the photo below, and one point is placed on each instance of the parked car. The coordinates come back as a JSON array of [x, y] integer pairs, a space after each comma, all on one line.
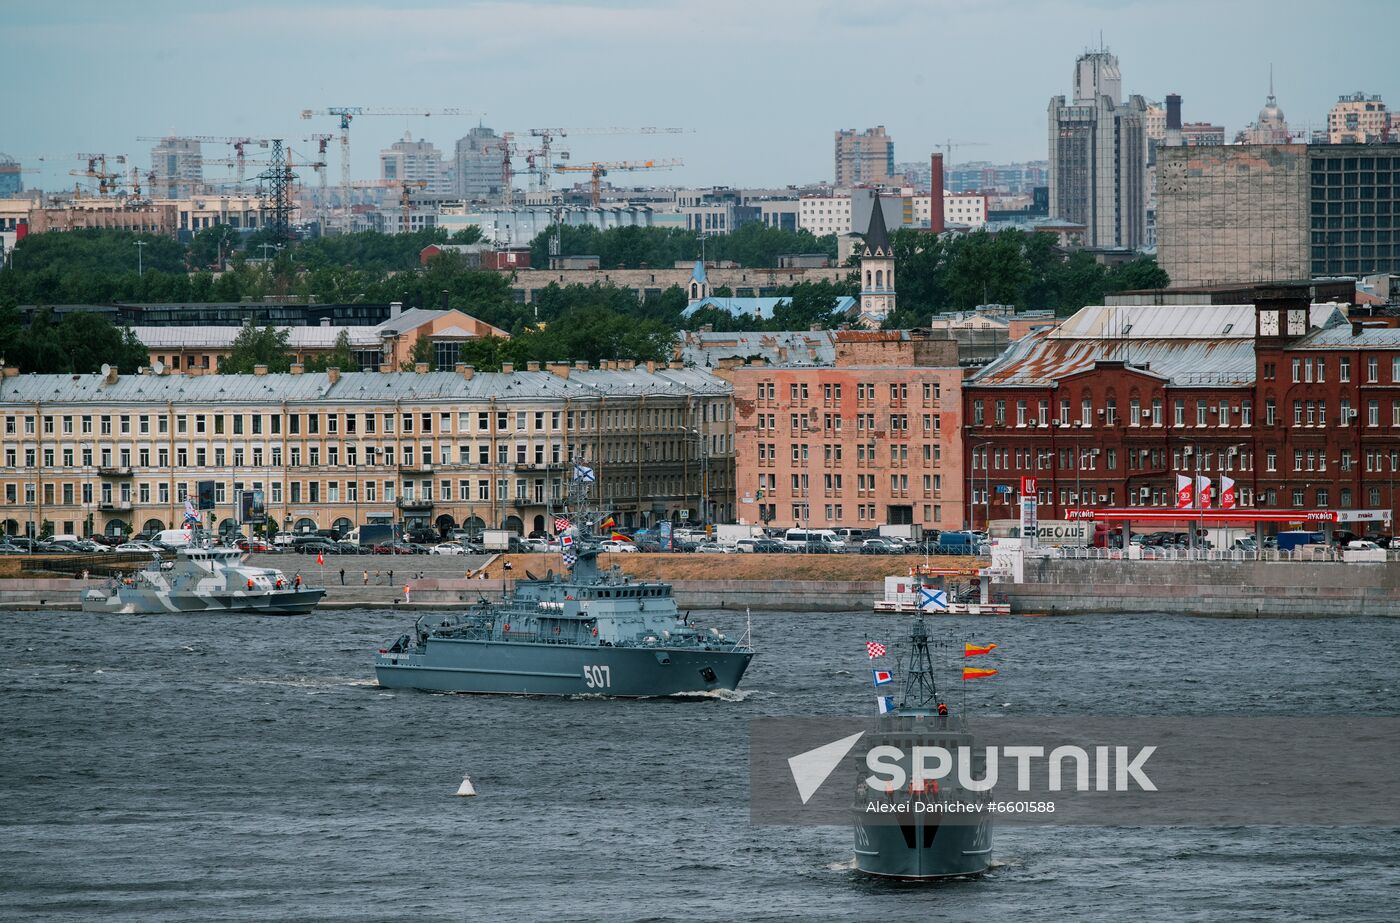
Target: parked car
[[614, 546], [351, 548], [447, 548], [879, 546], [138, 547], [769, 546], [252, 544], [715, 548], [318, 547], [394, 548], [7, 548]]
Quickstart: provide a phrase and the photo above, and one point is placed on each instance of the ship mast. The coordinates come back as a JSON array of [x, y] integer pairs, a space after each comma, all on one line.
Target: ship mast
[[919, 693]]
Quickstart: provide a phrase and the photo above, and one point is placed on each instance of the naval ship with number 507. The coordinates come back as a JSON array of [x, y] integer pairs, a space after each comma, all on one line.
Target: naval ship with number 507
[[587, 632]]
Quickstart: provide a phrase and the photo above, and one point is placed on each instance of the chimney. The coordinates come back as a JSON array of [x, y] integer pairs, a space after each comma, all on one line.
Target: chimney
[[628, 364], [532, 366], [385, 368], [332, 375], [467, 370], [1357, 328], [444, 299], [259, 369], [558, 368], [1173, 138], [395, 309], [508, 368], [420, 368], [936, 224], [675, 364], [11, 371], [110, 374], [651, 365], [325, 322], [581, 365], [297, 368]]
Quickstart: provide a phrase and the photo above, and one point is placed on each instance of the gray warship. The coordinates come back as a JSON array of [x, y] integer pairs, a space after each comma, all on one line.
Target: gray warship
[[587, 632], [204, 579], [922, 832]]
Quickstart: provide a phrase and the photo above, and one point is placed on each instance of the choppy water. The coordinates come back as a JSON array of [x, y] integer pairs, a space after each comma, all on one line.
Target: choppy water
[[242, 768]]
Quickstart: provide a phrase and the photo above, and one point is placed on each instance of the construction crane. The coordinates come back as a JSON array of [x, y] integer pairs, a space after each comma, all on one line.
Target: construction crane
[[107, 182], [348, 114], [239, 142], [540, 159], [403, 185], [950, 145], [600, 169]]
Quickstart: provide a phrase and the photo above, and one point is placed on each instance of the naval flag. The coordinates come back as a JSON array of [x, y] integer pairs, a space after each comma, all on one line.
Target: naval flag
[[583, 474], [931, 600], [561, 523], [886, 703], [882, 677], [874, 649]]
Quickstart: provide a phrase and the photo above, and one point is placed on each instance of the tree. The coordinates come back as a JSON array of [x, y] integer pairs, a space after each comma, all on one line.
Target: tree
[[82, 342], [258, 346], [340, 357], [986, 268], [422, 352]]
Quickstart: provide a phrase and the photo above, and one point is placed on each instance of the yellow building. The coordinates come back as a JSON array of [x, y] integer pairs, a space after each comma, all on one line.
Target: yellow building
[[120, 453]]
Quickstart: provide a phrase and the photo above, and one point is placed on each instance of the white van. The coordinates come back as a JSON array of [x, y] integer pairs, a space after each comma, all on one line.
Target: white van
[[801, 538], [173, 538]]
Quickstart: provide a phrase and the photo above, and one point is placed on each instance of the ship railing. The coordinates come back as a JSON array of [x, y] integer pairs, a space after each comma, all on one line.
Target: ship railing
[[1303, 553]]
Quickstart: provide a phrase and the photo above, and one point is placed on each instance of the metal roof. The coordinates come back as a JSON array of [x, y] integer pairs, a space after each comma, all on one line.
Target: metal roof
[[222, 337], [761, 308], [707, 349], [1343, 337], [1205, 345], [354, 387]]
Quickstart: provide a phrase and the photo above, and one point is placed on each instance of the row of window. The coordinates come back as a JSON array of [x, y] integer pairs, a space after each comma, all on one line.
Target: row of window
[[1310, 370], [1218, 414], [866, 394], [834, 454]]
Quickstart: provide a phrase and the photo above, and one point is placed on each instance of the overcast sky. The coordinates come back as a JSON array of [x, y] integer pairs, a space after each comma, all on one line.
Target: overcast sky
[[762, 84]]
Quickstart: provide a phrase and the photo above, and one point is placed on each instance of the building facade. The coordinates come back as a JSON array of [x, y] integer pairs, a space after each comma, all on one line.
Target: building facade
[[177, 168], [870, 438], [1098, 156], [1358, 119], [1299, 407], [413, 162], [120, 453], [479, 165], [865, 158], [1249, 213]]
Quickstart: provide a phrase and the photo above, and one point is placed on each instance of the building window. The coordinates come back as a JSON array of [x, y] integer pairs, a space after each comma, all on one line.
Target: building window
[[1344, 369], [1179, 413], [1373, 370]]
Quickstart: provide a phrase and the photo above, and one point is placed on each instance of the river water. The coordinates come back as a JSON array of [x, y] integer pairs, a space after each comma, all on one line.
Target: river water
[[244, 768]]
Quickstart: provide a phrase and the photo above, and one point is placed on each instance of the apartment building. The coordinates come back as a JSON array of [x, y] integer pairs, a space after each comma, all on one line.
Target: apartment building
[[116, 453], [871, 438]]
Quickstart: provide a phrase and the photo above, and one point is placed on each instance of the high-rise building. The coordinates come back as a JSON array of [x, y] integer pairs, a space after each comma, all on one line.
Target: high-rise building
[[1255, 212], [865, 158], [178, 168], [479, 162], [413, 161], [1358, 119], [1098, 156], [11, 182]]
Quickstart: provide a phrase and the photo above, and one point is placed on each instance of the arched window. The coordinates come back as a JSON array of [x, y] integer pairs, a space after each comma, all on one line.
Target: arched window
[[879, 278], [867, 278]]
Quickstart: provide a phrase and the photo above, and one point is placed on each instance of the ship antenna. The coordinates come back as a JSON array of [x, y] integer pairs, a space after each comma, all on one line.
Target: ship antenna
[[919, 689]]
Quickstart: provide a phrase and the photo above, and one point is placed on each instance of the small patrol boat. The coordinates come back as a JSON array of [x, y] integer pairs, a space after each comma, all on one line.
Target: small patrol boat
[[926, 830], [589, 632], [204, 579]]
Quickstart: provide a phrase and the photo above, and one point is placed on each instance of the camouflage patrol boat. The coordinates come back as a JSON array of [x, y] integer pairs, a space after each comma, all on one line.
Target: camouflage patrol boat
[[204, 579], [587, 632], [927, 831]]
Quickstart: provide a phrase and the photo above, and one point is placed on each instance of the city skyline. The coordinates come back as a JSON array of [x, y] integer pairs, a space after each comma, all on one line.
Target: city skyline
[[519, 66]]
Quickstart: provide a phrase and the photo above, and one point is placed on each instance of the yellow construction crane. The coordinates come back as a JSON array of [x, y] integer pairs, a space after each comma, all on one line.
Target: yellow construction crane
[[403, 185], [600, 169], [348, 114], [539, 159], [107, 182], [239, 143]]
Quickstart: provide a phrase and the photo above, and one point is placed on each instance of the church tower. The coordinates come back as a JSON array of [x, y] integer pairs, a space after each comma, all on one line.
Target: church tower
[[698, 289], [876, 269]]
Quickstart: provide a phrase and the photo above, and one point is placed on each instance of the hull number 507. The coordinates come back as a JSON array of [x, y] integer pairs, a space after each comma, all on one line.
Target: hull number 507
[[599, 677]]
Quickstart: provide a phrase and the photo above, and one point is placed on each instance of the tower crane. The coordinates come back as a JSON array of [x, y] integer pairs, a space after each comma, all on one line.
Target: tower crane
[[348, 114], [239, 142], [403, 185], [600, 169], [97, 169], [540, 159], [950, 145]]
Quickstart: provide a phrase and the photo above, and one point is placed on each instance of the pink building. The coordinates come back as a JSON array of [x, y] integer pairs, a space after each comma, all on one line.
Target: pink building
[[872, 439]]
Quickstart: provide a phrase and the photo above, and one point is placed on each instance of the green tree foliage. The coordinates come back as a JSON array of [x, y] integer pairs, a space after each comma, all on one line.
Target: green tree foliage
[[79, 343], [340, 357], [422, 352], [258, 346]]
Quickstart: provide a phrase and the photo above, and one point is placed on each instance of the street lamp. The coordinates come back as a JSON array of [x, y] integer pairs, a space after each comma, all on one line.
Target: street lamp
[[702, 495], [140, 250]]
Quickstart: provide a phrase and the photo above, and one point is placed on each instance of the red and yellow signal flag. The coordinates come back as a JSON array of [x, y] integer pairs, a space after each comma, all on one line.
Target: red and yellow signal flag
[[974, 673], [974, 650]]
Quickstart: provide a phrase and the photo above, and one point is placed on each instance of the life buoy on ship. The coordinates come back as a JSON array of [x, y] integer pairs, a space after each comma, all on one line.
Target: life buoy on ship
[[505, 627], [595, 632]]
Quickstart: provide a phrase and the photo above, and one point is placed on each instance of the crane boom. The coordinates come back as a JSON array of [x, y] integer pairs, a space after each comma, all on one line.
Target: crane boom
[[599, 169]]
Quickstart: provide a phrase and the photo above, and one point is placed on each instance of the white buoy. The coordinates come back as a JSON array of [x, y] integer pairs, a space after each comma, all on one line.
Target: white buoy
[[466, 790]]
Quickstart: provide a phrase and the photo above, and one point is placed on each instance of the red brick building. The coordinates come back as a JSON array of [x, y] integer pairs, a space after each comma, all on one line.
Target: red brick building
[[872, 439], [1296, 404]]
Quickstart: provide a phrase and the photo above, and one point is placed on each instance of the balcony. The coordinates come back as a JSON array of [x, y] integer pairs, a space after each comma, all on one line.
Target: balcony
[[417, 468], [115, 506], [414, 503], [119, 471]]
